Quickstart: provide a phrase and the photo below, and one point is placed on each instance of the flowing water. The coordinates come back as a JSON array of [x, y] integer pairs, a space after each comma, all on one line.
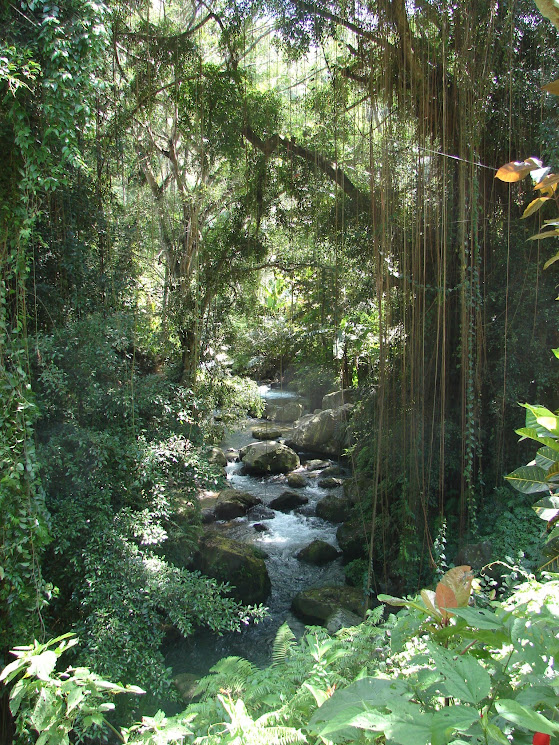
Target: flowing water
[[285, 535]]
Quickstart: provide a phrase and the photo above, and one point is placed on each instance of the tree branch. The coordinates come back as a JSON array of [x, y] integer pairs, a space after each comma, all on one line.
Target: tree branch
[[288, 148]]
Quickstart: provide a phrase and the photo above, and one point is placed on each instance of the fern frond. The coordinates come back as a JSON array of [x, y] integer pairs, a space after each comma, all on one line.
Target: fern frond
[[230, 674], [283, 644], [276, 736]]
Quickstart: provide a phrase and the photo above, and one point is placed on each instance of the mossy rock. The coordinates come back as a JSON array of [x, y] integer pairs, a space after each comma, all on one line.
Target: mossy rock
[[316, 464], [230, 561], [318, 553], [187, 686], [359, 489], [316, 605], [216, 456], [233, 503], [334, 509], [296, 480], [266, 433], [330, 482]]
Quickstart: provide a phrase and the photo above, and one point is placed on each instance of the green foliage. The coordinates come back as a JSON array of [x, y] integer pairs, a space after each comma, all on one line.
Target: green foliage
[[541, 476], [75, 702], [441, 671]]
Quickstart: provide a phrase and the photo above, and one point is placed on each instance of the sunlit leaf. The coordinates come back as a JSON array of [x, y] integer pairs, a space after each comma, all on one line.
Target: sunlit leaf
[[548, 181], [547, 508], [446, 599], [551, 261], [546, 234], [459, 580], [534, 206], [428, 597], [552, 87], [517, 170], [525, 717]]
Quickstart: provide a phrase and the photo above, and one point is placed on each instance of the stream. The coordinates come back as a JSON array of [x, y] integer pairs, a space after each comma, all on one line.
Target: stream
[[285, 535]]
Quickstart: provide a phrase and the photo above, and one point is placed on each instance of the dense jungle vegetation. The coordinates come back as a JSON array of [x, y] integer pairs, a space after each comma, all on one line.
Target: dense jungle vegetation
[[199, 195]]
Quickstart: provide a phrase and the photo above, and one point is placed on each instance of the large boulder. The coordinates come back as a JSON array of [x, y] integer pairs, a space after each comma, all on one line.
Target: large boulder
[[324, 432], [286, 411], [330, 482], [230, 561], [216, 456], [342, 619], [318, 553], [266, 432], [316, 465], [288, 500], [333, 509], [352, 539], [317, 604], [269, 457], [339, 398], [233, 503]]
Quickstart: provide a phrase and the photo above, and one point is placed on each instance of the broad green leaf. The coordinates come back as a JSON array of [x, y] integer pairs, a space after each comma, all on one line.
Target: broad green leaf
[[391, 600], [528, 480], [553, 472], [496, 734], [514, 712], [534, 206], [479, 618], [466, 679], [319, 695], [539, 415], [43, 664], [44, 711], [75, 696], [547, 508], [556, 352], [534, 696], [403, 725], [546, 457], [531, 433], [449, 719]]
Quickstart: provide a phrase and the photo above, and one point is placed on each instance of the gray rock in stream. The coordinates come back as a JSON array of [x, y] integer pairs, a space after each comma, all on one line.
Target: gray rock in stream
[[317, 604], [269, 457], [288, 500], [233, 503], [318, 553], [324, 432]]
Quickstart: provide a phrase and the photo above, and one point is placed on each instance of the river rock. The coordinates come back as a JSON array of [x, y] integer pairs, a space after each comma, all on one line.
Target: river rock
[[317, 604], [334, 509], [318, 553], [352, 538], [216, 457], [266, 433], [296, 480], [316, 465], [269, 457], [232, 455], [260, 527], [288, 500], [331, 471], [233, 503], [330, 483], [325, 432], [339, 398], [287, 412], [230, 561], [261, 513], [342, 619]]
